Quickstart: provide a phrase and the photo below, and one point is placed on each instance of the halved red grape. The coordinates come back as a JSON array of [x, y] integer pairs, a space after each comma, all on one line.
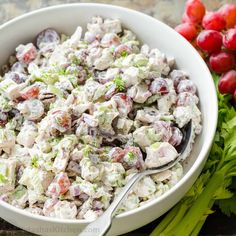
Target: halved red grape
[[227, 82], [176, 137], [59, 185], [3, 118], [16, 77], [228, 12], [18, 67], [47, 36], [186, 99], [229, 39], [187, 30], [110, 39], [186, 86], [210, 41], [222, 62], [116, 154], [159, 85], [177, 76], [195, 10], [26, 53], [213, 21], [123, 102], [163, 128]]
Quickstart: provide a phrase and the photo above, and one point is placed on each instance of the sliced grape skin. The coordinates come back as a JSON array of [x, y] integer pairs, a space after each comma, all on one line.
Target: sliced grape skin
[[47, 36]]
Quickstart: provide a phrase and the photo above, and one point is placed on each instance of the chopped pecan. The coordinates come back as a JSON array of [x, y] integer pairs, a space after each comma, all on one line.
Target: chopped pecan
[[47, 97]]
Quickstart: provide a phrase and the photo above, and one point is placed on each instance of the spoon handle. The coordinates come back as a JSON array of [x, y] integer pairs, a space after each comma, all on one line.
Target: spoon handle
[[101, 226]]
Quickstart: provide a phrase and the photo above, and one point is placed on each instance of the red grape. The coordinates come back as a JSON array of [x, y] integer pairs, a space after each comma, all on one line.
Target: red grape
[[163, 128], [116, 154], [186, 86], [213, 21], [26, 53], [18, 67], [123, 103], [16, 77], [227, 83], [185, 18], [209, 41], [159, 85], [60, 185], [47, 36], [222, 62], [177, 76], [229, 39], [228, 12], [3, 118], [187, 30], [186, 99], [195, 10], [176, 137]]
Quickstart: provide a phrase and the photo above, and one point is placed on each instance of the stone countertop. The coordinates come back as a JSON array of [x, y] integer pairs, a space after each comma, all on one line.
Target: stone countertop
[[170, 12]]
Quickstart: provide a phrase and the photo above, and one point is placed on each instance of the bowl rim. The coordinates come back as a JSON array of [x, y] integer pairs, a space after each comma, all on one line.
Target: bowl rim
[[205, 147]]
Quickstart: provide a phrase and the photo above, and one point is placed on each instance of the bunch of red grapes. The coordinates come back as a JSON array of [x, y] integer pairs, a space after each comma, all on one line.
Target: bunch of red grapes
[[213, 34]]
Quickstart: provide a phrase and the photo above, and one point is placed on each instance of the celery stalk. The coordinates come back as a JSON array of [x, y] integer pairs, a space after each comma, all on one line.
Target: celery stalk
[[199, 207], [183, 208], [198, 227], [165, 222]]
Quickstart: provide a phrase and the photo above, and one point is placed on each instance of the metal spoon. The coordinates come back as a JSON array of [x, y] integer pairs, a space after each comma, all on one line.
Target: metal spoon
[[102, 225]]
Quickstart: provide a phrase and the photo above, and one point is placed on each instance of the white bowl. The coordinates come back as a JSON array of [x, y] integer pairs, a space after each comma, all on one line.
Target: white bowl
[[65, 18]]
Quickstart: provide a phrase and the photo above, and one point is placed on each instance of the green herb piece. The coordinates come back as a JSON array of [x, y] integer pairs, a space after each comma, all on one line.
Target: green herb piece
[[119, 82], [53, 89], [87, 151], [49, 78], [124, 54], [61, 71], [130, 155], [73, 80], [3, 179], [155, 145], [34, 162], [103, 109], [75, 60]]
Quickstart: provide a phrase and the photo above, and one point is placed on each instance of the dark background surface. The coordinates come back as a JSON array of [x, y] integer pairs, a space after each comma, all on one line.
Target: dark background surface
[[168, 11], [216, 224]]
